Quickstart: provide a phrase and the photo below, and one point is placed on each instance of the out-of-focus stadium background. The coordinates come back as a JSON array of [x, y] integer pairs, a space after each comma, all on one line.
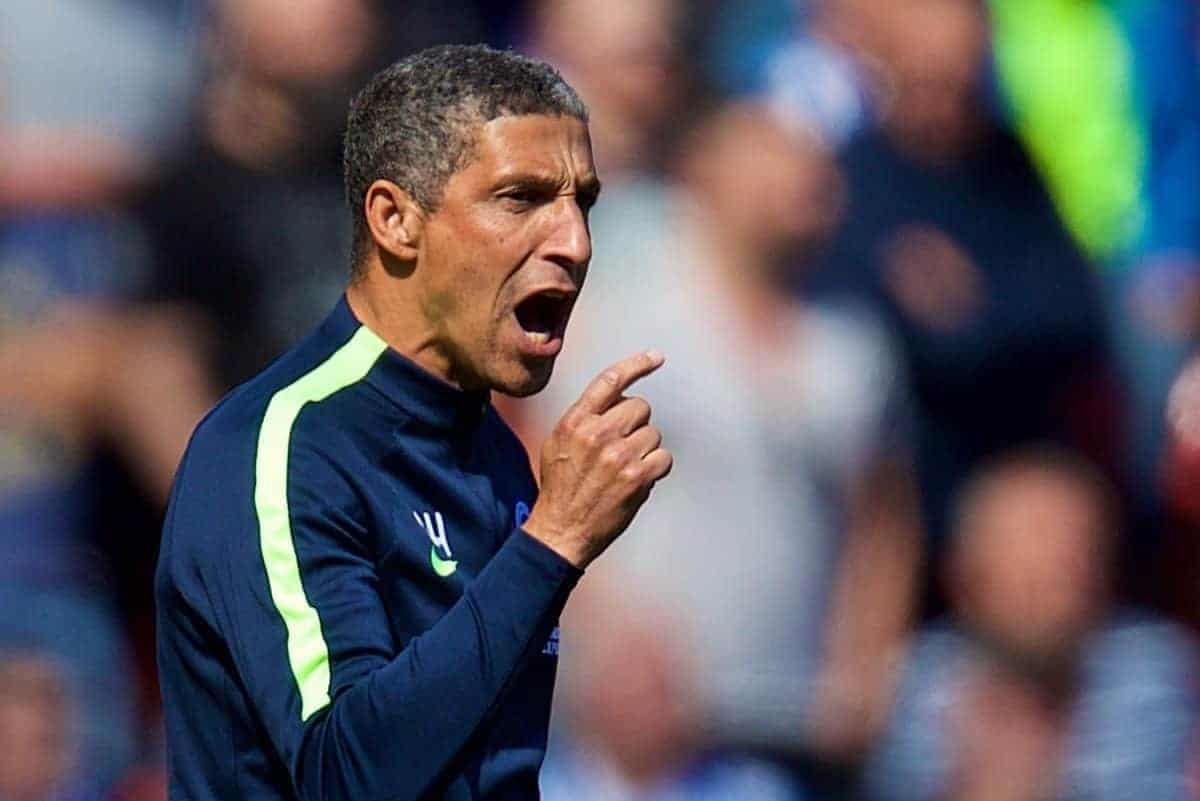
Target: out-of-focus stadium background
[[927, 273]]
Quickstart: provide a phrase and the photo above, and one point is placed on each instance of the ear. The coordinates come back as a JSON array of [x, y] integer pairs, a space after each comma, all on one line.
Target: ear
[[395, 220]]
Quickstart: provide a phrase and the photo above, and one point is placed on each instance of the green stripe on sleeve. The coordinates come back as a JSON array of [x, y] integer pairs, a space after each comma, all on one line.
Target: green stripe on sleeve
[[307, 651]]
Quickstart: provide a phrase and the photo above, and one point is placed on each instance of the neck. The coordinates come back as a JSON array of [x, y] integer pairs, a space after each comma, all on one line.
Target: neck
[[1052, 673], [395, 316], [936, 149]]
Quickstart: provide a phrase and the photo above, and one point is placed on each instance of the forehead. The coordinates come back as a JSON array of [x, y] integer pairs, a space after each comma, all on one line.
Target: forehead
[[1037, 510], [534, 145]]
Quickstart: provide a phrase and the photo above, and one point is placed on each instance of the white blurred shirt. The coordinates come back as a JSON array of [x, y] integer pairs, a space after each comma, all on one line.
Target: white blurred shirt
[[736, 548]]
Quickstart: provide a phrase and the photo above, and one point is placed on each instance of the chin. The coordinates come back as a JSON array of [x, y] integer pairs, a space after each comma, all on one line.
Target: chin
[[524, 380]]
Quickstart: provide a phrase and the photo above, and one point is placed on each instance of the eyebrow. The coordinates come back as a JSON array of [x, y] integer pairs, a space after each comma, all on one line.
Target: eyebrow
[[589, 185]]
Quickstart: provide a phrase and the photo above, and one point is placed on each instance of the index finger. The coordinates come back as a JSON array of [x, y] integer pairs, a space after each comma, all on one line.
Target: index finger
[[606, 388]]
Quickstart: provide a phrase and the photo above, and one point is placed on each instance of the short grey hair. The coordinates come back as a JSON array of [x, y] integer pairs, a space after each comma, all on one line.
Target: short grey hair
[[414, 122]]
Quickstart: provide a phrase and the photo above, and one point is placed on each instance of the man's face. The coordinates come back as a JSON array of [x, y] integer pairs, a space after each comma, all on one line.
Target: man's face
[[793, 180], [934, 52], [1035, 568], [505, 254]]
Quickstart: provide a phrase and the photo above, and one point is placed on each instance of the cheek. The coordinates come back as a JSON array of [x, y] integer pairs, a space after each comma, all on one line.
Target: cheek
[[472, 284], [457, 281]]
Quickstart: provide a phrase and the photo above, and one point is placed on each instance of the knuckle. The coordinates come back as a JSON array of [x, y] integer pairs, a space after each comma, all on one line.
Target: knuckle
[[611, 376], [593, 438], [613, 456], [631, 473]]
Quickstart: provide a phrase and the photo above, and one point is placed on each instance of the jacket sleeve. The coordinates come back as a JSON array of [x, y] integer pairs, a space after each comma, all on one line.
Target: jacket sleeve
[[353, 713]]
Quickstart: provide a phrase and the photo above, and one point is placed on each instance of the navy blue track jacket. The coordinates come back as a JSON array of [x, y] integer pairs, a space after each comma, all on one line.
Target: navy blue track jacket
[[348, 609]]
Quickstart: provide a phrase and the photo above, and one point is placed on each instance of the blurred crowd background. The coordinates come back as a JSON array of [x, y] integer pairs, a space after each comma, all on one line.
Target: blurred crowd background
[[927, 274]]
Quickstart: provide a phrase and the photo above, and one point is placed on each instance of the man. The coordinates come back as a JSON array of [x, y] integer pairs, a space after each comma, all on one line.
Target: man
[[950, 237], [357, 591], [1039, 686], [783, 558]]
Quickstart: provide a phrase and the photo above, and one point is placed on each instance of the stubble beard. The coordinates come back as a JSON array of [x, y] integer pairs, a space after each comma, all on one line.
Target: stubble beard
[[537, 377]]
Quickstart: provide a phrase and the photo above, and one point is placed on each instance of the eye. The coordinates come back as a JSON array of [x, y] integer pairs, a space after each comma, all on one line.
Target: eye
[[521, 198]]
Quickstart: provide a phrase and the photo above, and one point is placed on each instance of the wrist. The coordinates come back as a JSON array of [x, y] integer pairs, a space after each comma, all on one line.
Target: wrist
[[555, 539]]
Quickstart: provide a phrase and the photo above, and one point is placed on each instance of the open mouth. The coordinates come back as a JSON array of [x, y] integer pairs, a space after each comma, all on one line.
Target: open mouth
[[543, 315]]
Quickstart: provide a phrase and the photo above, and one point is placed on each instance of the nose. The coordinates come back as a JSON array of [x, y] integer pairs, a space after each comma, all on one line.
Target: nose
[[570, 242]]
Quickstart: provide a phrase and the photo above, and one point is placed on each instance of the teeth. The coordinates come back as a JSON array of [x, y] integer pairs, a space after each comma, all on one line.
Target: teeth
[[538, 337]]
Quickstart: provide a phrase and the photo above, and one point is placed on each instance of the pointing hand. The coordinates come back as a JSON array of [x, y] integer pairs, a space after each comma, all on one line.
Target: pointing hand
[[599, 465]]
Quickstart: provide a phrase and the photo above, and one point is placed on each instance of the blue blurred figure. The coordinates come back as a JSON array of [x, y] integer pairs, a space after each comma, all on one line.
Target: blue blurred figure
[[1037, 686], [950, 235]]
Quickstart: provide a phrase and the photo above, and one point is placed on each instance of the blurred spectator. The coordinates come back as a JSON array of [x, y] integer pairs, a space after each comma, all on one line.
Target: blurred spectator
[[1037, 687], [783, 550], [1107, 97], [249, 227], [91, 102], [949, 234], [93, 93], [636, 733], [624, 59], [82, 369]]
